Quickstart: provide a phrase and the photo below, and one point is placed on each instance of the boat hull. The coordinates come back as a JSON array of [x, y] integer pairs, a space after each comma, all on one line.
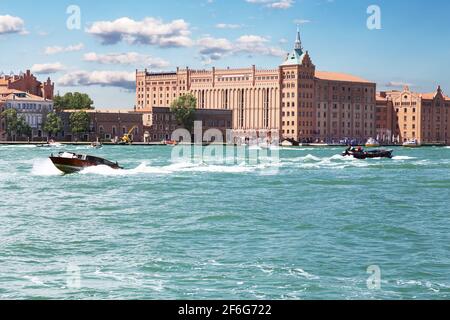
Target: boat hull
[[69, 166], [363, 155]]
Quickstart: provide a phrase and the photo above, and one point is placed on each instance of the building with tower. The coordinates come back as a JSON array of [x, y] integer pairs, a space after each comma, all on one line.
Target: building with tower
[[294, 99], [406, 115]]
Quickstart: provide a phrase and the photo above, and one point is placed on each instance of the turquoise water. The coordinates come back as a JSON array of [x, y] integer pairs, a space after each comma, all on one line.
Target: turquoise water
[[160, 230]]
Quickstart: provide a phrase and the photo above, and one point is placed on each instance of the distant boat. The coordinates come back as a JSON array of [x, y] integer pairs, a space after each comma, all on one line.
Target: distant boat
[[359, 153], [50, 144], [170, 142], [411, 144], [96, 145], [68, 162], [287, 143], [372, 143]]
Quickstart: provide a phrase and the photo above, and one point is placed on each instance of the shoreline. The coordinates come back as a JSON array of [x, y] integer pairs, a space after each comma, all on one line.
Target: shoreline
[[157, 144]]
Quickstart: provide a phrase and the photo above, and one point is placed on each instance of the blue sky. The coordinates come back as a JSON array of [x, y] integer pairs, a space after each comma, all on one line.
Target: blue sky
[[117, 37]]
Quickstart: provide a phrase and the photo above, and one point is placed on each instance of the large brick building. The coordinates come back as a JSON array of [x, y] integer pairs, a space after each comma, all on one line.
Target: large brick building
[[107, 125], [27, 82], [294, 99], [162, 122], [405, 115]]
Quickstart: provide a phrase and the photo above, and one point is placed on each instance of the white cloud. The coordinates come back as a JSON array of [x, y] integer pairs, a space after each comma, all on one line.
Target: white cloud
[[128, 58], [149, 31], [121, 79], [10, 24], [274, 4], [228, 26], [398, 84], [47, 68], [282, 4], [59, 49], [215, 49], [302, 21]]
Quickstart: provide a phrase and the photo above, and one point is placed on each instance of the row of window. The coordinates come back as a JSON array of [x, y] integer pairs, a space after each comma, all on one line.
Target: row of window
[[30, 106]]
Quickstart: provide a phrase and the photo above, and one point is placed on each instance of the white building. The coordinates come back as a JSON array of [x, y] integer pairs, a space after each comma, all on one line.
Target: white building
[[33, 108]]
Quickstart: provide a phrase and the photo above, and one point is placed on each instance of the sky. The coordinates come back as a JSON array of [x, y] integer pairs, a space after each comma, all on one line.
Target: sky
[[96, 47]]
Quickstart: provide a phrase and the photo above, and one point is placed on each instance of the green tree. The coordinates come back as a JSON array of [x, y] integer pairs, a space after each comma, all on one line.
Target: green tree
[[184, 110], [11, 121], [15, 125], [53, 124], [79, 122], [23, 128], [73, 101]]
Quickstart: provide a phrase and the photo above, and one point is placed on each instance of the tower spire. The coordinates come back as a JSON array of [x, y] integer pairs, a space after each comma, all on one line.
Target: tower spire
[[298, 42]]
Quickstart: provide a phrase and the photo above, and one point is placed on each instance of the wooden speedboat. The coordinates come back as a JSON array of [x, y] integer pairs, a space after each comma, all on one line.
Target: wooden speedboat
[[68, 162], [360, 153]]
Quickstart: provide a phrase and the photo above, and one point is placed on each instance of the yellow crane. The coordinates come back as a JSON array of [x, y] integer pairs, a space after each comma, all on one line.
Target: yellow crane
[[126, 139]]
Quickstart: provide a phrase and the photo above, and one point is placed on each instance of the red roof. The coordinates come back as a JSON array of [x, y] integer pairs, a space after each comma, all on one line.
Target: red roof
[[334, 76]]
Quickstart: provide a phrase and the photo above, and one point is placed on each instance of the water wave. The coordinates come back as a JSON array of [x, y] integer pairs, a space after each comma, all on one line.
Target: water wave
[[337, 161], [18, 146], [44, 167], [403, 158], [144, 168]]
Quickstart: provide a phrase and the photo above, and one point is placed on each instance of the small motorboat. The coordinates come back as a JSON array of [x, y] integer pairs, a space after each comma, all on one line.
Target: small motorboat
[[360, 153], [170, 142], [50, 144], [96, 145], [69, 162], [411, 144], [372, 143]]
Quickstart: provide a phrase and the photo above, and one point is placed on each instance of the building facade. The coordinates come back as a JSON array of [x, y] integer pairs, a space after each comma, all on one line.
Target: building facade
[[408, 115], [105, 125], [27, 82], [294, 99], [163, 122], [33, 109]]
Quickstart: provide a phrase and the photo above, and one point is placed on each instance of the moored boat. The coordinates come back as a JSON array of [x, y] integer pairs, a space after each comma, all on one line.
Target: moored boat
[[411, 144], [170, 142], [360, 153], [69, 162], [372, 143]]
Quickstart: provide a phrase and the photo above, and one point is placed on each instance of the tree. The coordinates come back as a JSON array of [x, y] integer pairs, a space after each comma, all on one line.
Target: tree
[[79, 122], [23, 128], [53, 124], [184, 110], [73, 101], [16, 125], [12, 121]]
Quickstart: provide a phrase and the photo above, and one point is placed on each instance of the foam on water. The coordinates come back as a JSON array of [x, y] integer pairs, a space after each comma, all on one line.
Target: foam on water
[[44, 167], [402, 158], [178, 167], [25, 146]]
